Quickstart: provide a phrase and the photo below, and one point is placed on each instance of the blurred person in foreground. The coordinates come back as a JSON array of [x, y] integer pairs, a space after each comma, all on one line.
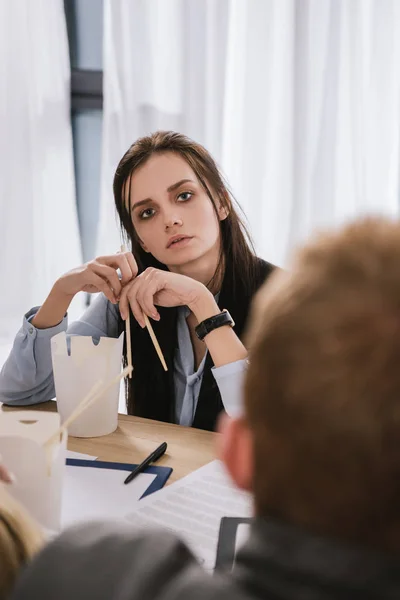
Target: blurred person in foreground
[[318, 446]]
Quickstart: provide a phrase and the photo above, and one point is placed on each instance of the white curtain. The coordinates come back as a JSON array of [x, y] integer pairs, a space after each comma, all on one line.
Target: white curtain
[[39, 237], [298, 100], [312, 117], [164, 68]]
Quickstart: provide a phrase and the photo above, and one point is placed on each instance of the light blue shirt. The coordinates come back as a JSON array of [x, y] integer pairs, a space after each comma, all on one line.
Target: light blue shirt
[[27, 375], [187, 381]]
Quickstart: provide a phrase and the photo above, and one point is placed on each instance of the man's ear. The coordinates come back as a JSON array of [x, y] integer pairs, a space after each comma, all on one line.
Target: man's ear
[[236, 450]]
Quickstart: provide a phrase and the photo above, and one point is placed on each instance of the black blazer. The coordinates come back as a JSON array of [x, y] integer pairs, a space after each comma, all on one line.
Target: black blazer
[[153, 388]]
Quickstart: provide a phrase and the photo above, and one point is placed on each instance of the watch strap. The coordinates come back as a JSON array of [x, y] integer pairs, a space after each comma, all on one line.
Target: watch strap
[[214, 322]]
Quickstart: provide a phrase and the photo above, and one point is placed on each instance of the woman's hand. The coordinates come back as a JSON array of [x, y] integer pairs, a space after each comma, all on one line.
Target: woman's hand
[[99, 275], [163, 288]]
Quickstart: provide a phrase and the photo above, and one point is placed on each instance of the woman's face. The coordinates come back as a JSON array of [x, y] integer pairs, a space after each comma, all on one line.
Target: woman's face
[[172, 214]]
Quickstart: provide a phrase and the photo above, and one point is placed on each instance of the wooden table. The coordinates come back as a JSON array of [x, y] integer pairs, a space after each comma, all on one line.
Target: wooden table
[[134, 439]]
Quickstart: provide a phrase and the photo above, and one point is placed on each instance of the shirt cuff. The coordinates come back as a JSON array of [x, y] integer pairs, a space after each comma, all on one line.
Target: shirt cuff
[[230, 379], [230, 369], [31, 331]]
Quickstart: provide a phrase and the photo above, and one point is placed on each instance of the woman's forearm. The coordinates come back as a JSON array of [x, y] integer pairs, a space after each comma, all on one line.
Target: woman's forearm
[[223, 344], [52, 310]]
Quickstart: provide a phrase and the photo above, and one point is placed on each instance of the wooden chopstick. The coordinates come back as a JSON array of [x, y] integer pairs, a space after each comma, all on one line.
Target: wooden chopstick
[[155, 341], [149, 329], [128, 331], [95, 393]]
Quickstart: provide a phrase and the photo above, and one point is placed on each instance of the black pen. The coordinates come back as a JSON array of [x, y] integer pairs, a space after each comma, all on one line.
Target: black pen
[[151, 458]]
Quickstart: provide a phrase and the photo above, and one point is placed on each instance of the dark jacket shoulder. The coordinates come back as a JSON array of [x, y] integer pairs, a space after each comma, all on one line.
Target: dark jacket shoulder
[[115, 562], [110, 561]]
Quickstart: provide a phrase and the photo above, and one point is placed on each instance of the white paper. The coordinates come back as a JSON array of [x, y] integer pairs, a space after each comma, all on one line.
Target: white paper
[[91, 493], [193, 507], [72, 454]]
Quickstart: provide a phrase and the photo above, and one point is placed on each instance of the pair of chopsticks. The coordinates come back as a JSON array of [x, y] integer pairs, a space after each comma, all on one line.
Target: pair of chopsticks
[[151, 333], [95, 393]]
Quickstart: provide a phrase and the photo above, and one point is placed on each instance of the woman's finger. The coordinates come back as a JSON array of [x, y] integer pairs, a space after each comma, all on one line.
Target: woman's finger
[[145, 297], [109, 275], [132, 263], [101, 285], [128, 300], [6, 476], [123, 305], [126, 272], [133, 301], [119, 261], [127, 265], [124, 302], [122, 263]]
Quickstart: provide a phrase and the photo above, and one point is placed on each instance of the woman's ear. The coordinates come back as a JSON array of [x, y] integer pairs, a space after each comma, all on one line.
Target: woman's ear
[[143, 245], [223, 212], [224, 205], [236, 450]]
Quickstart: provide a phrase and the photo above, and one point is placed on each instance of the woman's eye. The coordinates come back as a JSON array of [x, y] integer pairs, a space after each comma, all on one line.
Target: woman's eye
[[147, 213], [184, 196]]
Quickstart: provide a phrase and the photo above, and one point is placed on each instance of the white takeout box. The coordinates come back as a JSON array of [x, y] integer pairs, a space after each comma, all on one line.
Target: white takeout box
[[39, 471], [77, 373]]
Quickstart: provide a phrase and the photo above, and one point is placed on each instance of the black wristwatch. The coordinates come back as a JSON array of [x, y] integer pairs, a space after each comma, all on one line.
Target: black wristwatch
[[208, 325]]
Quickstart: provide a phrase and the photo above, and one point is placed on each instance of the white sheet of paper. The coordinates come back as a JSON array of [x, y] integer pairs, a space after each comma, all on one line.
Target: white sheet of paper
[[193, 507], [72, 454], [91, 494]]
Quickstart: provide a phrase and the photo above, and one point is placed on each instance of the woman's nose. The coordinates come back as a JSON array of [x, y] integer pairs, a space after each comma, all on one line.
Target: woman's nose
[[171, 221]]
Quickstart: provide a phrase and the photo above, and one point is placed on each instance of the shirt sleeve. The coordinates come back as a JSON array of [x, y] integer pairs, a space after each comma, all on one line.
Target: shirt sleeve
[[230, 380], [27, 375]]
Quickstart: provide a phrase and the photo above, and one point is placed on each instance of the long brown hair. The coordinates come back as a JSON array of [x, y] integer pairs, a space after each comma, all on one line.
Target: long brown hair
[[237, 251]]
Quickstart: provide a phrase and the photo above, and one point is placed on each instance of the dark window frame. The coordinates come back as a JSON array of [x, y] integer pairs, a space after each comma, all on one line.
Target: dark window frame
[[86, 89], [86, 85]]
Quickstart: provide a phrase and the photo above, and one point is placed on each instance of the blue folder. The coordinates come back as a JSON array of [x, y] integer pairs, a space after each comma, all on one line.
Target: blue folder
[[162, 473]]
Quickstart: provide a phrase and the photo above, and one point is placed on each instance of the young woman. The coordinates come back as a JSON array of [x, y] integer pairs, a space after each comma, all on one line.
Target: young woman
[[192, 270]]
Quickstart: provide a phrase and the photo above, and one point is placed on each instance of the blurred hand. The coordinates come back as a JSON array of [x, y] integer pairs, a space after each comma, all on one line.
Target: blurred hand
[[5, 475], [100, 275], [164, 288]]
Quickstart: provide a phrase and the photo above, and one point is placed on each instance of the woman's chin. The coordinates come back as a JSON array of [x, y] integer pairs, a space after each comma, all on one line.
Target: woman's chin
[[184, 256]]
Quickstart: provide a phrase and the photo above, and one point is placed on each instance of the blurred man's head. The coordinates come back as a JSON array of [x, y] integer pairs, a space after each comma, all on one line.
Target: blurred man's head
[[320, 443]]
